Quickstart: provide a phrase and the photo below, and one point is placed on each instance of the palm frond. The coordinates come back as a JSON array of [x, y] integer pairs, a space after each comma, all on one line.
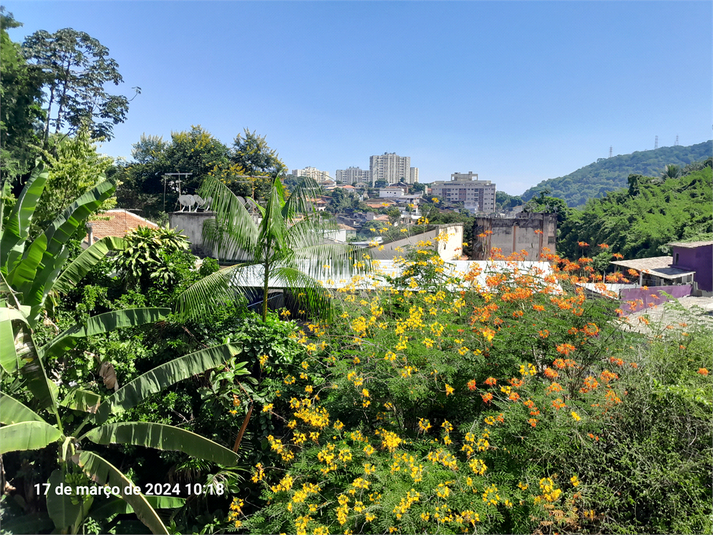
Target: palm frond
[[234, 226], [306, 290], [224, 287]]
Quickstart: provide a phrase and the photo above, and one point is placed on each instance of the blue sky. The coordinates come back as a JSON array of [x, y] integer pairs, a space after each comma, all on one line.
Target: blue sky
[[517, 92]]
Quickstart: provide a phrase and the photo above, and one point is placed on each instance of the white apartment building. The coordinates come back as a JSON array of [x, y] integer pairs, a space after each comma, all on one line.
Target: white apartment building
[[476, 195], [414, 175], [392, 168], [353, 175], [312, 172]]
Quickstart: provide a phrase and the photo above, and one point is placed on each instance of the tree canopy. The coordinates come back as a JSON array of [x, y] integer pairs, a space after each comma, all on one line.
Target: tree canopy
[[639, 221], [76, 68], [609, 174]]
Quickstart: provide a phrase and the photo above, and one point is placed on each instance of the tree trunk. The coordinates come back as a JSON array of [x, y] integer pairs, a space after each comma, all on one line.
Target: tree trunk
[[265, 292]]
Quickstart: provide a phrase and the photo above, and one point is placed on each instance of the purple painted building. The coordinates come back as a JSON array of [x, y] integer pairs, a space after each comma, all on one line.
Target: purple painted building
[[695, 256]]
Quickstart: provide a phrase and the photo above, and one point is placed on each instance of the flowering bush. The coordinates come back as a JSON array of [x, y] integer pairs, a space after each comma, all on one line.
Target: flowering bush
[[465, 408]]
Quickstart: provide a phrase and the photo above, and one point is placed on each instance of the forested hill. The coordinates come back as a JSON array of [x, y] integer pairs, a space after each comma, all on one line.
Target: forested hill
[[639, 221], [608, 174]]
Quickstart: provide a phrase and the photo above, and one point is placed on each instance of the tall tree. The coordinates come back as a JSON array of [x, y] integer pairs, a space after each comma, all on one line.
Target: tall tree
[[253, 155], [21, 112], [76, 68]]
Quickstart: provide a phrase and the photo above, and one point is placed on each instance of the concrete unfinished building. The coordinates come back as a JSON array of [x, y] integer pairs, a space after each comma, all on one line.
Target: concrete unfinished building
[[531, 232]]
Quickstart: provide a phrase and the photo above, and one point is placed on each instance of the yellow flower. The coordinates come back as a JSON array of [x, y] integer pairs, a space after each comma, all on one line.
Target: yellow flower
[[449, 389], [576, 416]]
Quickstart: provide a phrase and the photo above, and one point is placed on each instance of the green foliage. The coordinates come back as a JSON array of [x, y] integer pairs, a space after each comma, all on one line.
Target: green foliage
[[146, 261], [609, 174], [21, 112], [505, 408], [74, 167], [76, 67], [638, 222]]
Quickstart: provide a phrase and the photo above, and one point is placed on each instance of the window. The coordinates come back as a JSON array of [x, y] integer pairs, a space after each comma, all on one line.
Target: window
[[675, 258]]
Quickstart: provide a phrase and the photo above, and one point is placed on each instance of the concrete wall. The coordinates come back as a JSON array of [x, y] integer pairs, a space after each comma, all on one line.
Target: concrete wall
[[514, 234], [698, 259], [191, 225], [633, 299], [450, 249]]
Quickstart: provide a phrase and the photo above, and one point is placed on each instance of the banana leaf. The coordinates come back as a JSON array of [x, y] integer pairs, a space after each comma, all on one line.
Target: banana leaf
[[163, 376], [118, 506], [162, 437], [89, 258], [25, 436], [104, 473], [17, 226], [102, 323], [13, 412]]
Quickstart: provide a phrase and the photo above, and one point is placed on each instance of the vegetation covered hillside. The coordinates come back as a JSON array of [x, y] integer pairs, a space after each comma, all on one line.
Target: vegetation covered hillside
[[639, 221], [608, 174]]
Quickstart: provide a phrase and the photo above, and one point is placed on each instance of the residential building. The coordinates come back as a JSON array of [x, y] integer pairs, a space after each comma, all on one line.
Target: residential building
[[392, 168], [476, 195], [312, 172], [391, 192], [353, 175]]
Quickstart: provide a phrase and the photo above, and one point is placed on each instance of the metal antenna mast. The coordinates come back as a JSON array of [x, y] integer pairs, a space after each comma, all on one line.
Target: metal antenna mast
[[165, 179], [611, 148], [656, 143]]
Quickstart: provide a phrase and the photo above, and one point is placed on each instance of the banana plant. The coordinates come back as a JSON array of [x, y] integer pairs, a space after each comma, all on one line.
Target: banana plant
[[31, 271], [24, 429]]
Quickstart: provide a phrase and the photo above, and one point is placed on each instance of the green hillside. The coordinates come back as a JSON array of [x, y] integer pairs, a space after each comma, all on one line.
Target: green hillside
[[608, 174], [640, 220]]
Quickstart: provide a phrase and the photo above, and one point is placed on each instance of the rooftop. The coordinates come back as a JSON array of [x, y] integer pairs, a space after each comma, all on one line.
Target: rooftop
[[116, 222], [656, 265], [690, 244]]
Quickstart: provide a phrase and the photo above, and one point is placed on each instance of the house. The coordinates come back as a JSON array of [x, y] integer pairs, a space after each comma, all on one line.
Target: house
[[117, 222], [657, 271], [696, 256]]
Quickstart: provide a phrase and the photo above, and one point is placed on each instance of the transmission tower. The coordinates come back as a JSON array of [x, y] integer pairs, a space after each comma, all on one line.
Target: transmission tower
[[610, 151], [676, 144], [656, 143]]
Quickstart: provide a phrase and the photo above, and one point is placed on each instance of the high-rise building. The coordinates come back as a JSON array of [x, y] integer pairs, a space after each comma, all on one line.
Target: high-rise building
[[312, 172], [476, 195], [392, 168], [353, 175]]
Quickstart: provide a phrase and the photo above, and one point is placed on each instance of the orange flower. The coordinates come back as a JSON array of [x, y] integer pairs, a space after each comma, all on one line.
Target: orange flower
[[544, 333], [514, 396], [550, 373], [703, 371], [583, 244], [491, 381], [487, 398], [603, 246], [532, 422], [565, 349], [471, 385], [558, 403], [539, 308]]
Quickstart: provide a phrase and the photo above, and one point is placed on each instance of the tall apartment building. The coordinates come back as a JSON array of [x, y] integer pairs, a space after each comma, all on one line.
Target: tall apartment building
[[476, 195], [312, 172], [353, 175], [392, 168]]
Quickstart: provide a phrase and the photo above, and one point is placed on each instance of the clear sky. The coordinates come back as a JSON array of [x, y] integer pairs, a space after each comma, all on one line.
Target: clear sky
[[517, 92]]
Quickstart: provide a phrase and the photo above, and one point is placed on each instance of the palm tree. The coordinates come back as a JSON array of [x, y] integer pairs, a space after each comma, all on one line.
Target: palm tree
[[285, 243]]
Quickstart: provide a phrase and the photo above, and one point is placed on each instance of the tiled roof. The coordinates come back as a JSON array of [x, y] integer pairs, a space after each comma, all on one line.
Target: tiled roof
[[117, 223]]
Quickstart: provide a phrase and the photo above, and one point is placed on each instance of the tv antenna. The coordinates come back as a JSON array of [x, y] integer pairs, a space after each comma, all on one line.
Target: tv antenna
[[178, 181]]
